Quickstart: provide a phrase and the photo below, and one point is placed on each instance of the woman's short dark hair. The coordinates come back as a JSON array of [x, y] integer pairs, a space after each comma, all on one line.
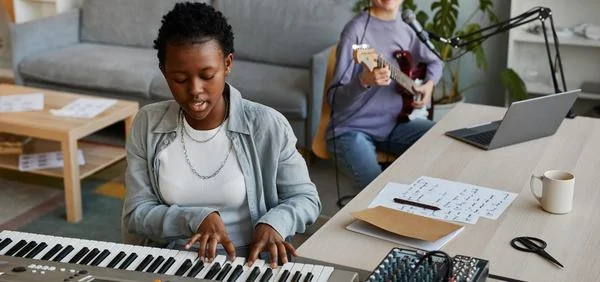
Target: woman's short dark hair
[[193, 22]]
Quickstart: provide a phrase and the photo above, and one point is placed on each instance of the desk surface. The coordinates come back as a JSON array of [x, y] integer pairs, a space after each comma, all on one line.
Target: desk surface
[[572, 238]]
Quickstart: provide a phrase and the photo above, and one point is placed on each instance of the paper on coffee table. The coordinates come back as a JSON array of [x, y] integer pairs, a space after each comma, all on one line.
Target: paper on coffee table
[[84, 107], [21, 103], [37, 161]]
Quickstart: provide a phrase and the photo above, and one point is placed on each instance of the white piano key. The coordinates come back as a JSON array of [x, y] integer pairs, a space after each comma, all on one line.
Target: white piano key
[[316, 271], [247, 270], [295, 267], [237, 261], [114, 251], [288, 266], [276, 272], [305, 270], [141, 252], [180, 257], [324, 276], [193, 257], [77, 246], [219, 259]]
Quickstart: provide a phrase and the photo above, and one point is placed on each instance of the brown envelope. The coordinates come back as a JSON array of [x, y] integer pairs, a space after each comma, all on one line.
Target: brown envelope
[[406, 224]]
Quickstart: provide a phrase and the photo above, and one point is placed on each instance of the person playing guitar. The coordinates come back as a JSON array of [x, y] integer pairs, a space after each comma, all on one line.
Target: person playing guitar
[[374, 100]]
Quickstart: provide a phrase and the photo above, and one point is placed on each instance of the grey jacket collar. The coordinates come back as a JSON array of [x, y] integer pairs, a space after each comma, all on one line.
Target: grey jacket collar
[[237, 117]]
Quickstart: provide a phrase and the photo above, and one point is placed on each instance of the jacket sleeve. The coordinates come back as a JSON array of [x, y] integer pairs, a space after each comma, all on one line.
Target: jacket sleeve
[[144, 214], [299, 203]]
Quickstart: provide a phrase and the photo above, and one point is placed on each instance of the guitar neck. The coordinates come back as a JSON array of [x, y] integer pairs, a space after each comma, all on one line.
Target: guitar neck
[[397, 75]]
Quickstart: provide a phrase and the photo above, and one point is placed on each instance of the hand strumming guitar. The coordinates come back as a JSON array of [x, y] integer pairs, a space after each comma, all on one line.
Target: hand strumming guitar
[[379, 76], [426, 91]]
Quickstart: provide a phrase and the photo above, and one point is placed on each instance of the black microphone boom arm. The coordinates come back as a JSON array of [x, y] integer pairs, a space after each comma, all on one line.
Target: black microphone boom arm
[[537, 13]]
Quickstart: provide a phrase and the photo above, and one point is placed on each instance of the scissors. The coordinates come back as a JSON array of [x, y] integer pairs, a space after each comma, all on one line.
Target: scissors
[[533, 245]]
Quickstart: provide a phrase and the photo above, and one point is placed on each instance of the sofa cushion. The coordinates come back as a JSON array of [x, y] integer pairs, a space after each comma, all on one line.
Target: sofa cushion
[[93, 66], [285, 32], [282, 88], [124, 22]]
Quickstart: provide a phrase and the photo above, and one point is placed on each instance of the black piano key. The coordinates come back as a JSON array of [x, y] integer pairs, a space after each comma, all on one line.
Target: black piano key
[[184, 267], [284, 276], [196, 269], [253, 274], [68, 249], [144, 263], [113, 263], [296, 276], [213, 271], [157, 262], [16, 248], [236, 273], [267, 275], [5, 243], [100, 258], [309, 277], [26, 249], [90, 256], [52, 252], [128, 261], [40, 247], [170, 261], [223, 272], [79, 255]]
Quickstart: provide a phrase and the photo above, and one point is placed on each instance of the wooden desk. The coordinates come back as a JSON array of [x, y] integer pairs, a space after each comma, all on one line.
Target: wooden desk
[[572, 238]]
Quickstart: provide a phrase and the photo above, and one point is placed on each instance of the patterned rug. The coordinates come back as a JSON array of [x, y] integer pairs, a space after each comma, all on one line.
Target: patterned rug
[[32, 203]]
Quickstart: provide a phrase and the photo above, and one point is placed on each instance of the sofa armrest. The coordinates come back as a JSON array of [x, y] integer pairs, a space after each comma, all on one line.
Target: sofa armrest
[[318, 69], [42, 35]]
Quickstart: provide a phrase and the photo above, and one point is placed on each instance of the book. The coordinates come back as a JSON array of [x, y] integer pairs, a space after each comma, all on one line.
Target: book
[[14, 144]]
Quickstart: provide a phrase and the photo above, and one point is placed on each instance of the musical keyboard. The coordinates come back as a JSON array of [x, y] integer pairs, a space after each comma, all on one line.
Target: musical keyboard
[[39, 253]]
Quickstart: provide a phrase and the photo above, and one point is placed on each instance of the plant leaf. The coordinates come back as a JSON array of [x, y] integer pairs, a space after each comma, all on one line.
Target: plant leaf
[[514, 84]]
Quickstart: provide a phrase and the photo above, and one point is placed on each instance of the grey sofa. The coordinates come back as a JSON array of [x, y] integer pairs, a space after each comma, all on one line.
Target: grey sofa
[[105, 49]]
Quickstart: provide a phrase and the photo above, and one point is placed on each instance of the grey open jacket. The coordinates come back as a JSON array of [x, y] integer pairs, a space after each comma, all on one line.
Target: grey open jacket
[[278, 187]]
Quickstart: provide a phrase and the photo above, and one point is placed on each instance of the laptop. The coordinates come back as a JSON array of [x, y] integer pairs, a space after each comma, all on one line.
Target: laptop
[[523, 121]]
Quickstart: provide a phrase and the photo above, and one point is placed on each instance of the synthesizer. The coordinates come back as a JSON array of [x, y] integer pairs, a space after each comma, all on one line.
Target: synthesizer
[[28, 257], [402, 265]]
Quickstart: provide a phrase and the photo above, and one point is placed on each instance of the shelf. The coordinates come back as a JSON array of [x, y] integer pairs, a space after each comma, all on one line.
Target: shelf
[[97, 156], [522, 36], [544, 89]]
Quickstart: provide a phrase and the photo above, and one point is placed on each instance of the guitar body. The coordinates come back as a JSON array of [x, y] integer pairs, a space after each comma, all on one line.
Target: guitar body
[[406, 65]]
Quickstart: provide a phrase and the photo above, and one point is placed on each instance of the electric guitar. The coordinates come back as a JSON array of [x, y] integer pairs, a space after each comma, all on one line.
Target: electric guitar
[[405, 76]]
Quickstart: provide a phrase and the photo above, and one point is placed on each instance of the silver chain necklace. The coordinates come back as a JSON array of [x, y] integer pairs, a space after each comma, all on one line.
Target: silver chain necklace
[[187, 159]]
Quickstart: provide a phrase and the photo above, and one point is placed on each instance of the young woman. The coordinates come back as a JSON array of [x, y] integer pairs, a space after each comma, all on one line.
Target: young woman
[[366, 104], [210, 170]]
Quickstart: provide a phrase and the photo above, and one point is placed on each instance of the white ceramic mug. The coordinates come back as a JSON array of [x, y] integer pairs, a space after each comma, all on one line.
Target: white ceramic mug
[[557, 191]]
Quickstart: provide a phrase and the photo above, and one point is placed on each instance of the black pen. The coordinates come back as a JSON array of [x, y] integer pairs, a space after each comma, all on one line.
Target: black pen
[[420, 205]]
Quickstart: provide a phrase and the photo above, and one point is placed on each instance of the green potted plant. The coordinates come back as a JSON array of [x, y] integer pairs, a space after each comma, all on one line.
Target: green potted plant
[[443, 22]]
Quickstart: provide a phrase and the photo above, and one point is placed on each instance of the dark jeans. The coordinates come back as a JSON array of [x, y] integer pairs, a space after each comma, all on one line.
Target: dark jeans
[[357, 152]]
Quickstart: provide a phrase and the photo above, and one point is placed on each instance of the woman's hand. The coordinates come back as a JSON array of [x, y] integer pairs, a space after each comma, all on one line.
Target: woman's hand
[[265, 238], [210, 233], [425, 91], [379, 76]]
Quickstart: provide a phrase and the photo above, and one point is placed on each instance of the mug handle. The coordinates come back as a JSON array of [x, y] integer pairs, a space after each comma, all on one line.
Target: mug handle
[[533, 177]]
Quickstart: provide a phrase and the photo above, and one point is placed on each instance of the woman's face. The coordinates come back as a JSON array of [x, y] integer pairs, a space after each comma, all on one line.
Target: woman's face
[[195, 73], [387, 5]]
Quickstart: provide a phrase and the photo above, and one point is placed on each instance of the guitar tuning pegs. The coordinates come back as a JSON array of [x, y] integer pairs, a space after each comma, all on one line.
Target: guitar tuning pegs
[[360, 46]]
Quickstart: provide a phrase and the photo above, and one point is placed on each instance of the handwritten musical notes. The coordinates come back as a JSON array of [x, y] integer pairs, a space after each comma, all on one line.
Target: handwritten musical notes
[[461, 202]]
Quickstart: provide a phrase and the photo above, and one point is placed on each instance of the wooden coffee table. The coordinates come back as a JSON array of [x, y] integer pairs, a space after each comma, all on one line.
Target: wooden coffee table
[[53, 133]]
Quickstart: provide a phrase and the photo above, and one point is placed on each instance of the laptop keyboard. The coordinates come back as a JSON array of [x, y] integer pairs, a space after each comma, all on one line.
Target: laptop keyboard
[[483, 138]]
